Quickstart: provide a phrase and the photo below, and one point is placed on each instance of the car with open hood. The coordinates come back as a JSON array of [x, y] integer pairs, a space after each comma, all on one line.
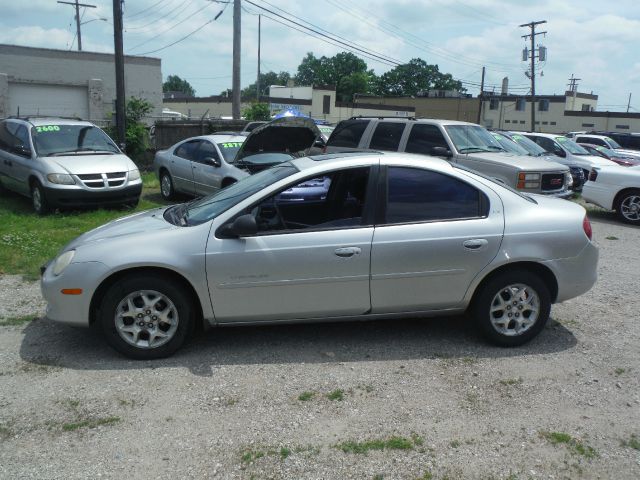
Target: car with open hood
[[461, 143], [395, 236], [60, 162]]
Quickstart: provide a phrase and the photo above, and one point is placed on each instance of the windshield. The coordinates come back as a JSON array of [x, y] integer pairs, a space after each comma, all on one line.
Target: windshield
[[612, 143], [529, 145], [508, 144], [208, 208], [52, 140], [472, 138], [229, 150], [571, 146]]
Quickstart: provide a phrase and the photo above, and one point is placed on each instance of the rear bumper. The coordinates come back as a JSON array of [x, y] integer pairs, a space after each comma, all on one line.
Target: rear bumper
[[599, 194], [575, 275], [75, 197]]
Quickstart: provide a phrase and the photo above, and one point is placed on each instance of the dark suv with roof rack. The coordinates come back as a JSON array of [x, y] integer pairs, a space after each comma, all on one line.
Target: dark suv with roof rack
[[65, 163]]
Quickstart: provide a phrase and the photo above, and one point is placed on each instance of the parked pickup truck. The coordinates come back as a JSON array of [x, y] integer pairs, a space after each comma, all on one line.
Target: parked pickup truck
[[463, 143]]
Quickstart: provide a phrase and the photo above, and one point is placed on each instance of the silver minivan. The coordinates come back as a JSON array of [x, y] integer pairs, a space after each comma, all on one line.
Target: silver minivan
[[65, 163]]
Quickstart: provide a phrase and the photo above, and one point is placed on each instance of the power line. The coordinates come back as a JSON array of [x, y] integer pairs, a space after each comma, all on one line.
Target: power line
[[144, 27], [145, 10]]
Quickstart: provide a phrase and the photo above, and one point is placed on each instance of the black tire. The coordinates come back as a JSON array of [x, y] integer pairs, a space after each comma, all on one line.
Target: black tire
[[39, 200], [227, 181], [166, 186], [181, 313], [488, 321], [628, 206]]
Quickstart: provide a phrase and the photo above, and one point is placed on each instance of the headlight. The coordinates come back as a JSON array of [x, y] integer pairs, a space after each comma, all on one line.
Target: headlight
[[61, 178], [134, 174], [63, 262], [528, 180], [569, 179]]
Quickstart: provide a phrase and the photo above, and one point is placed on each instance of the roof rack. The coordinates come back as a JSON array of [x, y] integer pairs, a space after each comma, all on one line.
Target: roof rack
[[382, 117], [29, 117]]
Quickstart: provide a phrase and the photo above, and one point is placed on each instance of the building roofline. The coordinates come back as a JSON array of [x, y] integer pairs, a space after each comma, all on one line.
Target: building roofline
[[8, 49]]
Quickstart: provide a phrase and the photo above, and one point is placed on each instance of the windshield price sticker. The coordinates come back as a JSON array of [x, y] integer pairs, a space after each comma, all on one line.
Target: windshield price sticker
[[232, 145], [48, 128]]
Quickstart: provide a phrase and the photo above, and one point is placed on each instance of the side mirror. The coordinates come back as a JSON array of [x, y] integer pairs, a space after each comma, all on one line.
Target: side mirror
[[23, 151], [560, 153], [213, 161], [441, 152], [320, 143], [243, 226]]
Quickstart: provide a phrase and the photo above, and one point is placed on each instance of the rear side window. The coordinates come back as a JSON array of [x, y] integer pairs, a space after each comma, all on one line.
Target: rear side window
[[416, 195], [423, 138], [387, 136], [187, 150], [592, 141], [348, 133]]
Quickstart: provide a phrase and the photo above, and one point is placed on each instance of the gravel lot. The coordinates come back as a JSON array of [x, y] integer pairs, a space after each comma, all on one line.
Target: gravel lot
[[229, 405]]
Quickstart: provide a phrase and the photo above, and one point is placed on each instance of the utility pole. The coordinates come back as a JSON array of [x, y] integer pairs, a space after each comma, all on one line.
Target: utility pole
[[258, 80], [119, 61], [629, 103], [235, 101], [573, 88], [481, 97], [78, 5], [533, 57]]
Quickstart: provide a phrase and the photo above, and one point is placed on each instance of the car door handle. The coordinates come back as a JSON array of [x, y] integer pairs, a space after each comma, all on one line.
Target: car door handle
[[347, 251], [475, 244]]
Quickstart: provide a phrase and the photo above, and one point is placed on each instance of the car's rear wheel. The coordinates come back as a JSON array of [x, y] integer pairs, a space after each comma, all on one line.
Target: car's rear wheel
[[628, 206], [512, 308], [38, 199], [166, 186], [146, 316]]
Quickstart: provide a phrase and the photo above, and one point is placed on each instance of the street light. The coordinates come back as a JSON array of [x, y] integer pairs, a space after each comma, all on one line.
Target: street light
[[94, 19]]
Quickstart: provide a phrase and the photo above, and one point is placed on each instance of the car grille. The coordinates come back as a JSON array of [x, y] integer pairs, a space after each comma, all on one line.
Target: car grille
[[103, 180], [552, 181]]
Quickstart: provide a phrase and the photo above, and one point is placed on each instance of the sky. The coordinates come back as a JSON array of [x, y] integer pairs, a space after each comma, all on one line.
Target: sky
[[592, 40]]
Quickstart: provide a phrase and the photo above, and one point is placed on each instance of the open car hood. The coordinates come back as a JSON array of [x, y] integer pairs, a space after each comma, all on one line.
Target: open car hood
[[286, 134]]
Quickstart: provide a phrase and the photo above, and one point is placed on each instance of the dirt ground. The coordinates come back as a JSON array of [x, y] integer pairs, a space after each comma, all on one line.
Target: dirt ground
[[382, 400]]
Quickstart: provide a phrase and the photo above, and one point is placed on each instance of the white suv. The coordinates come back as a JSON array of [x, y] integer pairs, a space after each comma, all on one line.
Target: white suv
[[604, 141], [462, 143]]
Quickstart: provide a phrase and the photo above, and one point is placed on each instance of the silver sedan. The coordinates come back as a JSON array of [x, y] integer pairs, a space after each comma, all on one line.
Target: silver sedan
[[395, 235], [198, 166]]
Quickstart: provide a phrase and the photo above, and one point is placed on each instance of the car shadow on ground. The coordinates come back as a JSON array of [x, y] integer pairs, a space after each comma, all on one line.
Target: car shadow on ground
[[49, 343], [607, 217]]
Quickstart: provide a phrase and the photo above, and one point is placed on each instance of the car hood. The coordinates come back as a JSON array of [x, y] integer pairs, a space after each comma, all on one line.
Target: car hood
[[630, 153], [142, 222], [286, 134], [84, 164], [596, 159], [523, 162]]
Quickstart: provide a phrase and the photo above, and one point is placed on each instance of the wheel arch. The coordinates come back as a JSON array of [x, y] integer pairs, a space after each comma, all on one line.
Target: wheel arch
[[545, 274], [619, 195], [226, 181], [158, 271]]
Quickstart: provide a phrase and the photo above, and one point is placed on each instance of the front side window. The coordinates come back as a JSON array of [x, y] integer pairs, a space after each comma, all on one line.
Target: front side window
[[423, 138], [335, 200], [348, 133], [52, 140], [416, 195], [206, 150], [387, 136]]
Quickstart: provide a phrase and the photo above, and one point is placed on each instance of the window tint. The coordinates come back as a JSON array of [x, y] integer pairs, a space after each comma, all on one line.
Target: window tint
[[206, 150], [12, 136], [7, 140], [423, 138], [416, 195], [387, 136], [187, 150], [348, 133], [335, 200]]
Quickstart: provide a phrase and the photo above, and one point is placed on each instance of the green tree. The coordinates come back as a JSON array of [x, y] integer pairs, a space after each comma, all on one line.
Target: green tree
[[257, 111], [357, 82], [136, 134], [414, 77], [266, 80], [176, 84]]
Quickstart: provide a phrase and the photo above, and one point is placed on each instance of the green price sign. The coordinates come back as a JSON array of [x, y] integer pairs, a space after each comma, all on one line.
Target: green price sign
[[47, 128]]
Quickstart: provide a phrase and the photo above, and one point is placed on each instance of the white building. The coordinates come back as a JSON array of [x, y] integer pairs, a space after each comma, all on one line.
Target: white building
[[42, 81]]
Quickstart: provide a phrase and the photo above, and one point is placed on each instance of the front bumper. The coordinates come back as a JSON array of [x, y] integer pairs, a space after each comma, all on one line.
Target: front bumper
[[78, 197], [575, 275], [71, 309]]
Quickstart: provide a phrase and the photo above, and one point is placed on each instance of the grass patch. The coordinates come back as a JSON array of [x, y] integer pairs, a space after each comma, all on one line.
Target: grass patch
[[574, 445], [284, 452], [511, 381], [252, 455], [619, 371], [336, 395], [306, 396], [27, 240], [13, 321], [89, 423], [426, 476], [455, 443], [612, 237], [633, 442], [391, 443]]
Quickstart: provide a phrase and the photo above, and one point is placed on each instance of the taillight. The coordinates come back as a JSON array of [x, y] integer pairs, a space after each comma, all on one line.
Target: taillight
[[593, 174], [586, 225]]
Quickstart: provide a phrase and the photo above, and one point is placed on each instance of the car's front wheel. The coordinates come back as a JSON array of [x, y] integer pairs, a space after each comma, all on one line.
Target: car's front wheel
[[166, 186], [146, 316], [38, 199], [512, 308], [628, 206]]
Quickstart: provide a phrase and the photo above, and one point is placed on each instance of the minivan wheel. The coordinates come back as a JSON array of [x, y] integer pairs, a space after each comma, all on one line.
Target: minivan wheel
[[512, 308], [146, 316], [39, 200], [628, 207], [166, 186]]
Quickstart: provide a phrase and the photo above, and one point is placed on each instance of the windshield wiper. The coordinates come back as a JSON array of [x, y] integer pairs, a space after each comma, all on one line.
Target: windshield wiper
[[81, 151], [473, 149], [499, 149]]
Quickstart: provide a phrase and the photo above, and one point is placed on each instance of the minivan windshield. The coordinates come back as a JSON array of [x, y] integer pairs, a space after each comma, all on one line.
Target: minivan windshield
[[472, 138], [571, 146], [208, 208], [529, 145], [56, 139]]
